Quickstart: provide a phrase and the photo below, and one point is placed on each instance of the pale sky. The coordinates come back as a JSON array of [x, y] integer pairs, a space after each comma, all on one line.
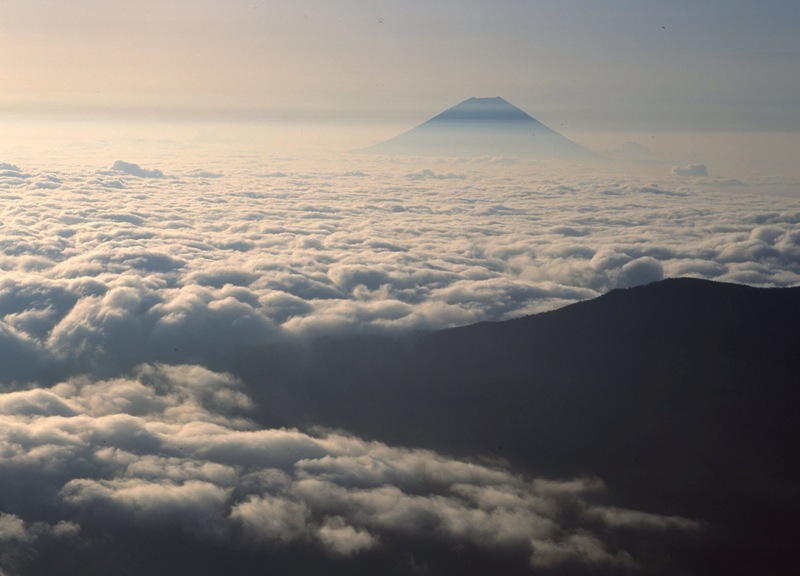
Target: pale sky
[[616, 64]]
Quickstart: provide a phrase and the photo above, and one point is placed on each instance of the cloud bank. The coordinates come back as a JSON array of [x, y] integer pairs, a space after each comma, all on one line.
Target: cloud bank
[[109, 269], [691, 170], [136, 170], [170, 448], [126, 295]]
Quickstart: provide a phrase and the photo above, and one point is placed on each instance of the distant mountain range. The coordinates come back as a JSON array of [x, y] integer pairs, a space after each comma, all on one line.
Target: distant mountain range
[[681, 395], [483, 126]]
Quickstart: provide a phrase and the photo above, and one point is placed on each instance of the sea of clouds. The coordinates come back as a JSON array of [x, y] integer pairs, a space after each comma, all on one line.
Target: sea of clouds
[[125, 287], [170, 448], [130, 264]]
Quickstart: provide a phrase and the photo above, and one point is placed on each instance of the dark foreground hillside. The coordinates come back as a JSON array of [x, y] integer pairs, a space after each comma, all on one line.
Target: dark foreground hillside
[[681, 395]]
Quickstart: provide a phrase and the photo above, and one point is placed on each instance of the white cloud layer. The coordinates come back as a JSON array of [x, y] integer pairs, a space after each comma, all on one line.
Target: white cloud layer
[[170, 448], [170, 268], [105, 269]]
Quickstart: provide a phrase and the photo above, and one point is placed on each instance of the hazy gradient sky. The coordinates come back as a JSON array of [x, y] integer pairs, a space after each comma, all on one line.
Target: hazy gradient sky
[[617, 64]]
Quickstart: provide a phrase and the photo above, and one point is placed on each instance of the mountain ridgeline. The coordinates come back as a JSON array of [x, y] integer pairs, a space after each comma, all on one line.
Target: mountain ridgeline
[[480, 127], [681, 395]]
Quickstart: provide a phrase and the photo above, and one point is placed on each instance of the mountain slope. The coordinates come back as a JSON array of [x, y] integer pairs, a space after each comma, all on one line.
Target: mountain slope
[[483, 126], [680, 395]]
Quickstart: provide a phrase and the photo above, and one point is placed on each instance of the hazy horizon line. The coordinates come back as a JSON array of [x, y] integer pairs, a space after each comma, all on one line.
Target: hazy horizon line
[[576, 117]]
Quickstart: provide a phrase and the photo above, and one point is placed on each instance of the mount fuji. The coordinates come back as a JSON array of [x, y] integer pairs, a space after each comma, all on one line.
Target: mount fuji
[[484, 126]]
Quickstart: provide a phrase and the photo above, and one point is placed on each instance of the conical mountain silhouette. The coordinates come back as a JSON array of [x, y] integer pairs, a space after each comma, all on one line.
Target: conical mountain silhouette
[[483, 126]]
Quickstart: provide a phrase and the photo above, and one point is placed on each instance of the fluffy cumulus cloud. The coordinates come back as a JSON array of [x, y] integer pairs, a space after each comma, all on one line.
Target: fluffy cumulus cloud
[[136, 170], [104, 270], [21, 540], [691, 170], [107, 268], [170, 449]]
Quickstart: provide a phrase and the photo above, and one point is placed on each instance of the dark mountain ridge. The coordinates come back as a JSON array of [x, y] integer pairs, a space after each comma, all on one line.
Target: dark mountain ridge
[[681, 395]]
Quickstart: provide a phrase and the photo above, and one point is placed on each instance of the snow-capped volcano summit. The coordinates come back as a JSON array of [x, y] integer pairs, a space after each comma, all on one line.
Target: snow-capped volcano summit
[[483, 126]]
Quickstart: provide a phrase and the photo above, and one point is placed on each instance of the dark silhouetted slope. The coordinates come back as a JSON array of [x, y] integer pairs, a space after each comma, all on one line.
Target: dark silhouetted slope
[[484, 126], [681, 395]]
